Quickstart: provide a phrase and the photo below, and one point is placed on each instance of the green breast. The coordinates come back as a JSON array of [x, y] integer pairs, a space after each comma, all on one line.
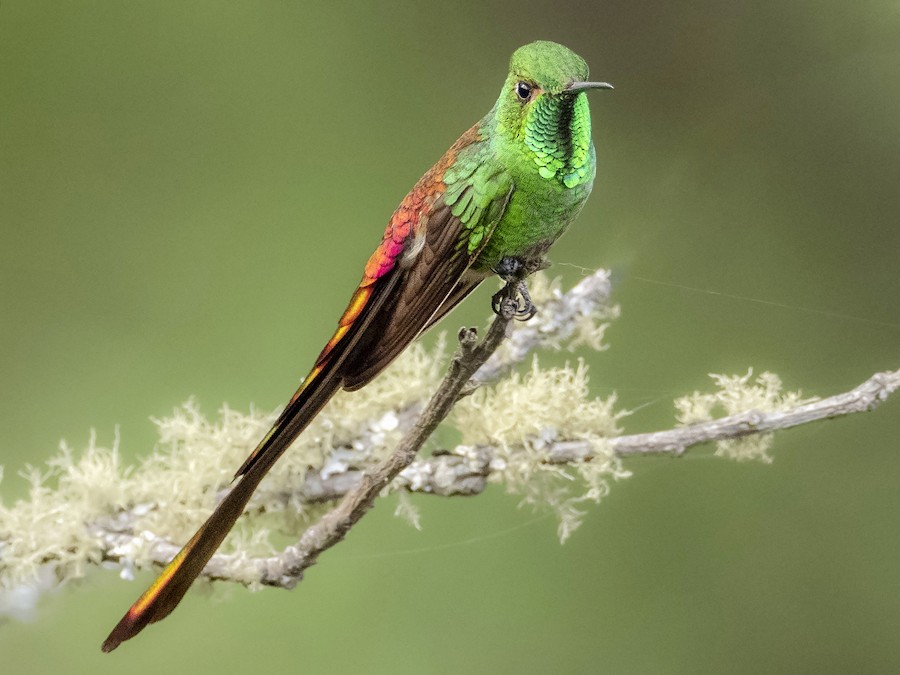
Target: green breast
[[552, 165]]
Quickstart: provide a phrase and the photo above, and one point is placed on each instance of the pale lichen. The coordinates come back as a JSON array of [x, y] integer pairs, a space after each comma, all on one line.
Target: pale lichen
[[521, 415], [407, 511], [45, 535], [739, 393], [172, 491], [78, 505]]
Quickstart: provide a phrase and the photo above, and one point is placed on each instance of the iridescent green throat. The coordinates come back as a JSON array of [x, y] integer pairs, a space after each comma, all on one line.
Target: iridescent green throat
[[558, 134]]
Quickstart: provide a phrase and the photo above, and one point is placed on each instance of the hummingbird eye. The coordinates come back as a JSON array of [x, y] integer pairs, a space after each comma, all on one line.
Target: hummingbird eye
[[523, 90]]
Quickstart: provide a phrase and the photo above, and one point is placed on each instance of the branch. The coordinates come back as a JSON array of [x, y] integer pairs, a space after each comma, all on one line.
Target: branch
[[867, 396], [285, 570], [123, 540], [560, 317], [465, 470], [94, 487]]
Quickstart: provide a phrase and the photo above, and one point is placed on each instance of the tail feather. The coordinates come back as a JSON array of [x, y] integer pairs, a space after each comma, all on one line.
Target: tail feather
[[320, 385], [163, 596]]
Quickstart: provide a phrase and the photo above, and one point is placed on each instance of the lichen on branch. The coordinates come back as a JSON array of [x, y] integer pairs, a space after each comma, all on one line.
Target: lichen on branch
[[539, 432]]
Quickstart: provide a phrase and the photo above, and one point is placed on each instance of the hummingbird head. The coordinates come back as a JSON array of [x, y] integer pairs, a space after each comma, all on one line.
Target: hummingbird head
[[543, 106]]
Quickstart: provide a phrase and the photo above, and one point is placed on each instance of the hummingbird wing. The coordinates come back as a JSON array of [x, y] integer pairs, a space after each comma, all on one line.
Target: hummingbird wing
[[450, 234], [421, 269], [437, 280]]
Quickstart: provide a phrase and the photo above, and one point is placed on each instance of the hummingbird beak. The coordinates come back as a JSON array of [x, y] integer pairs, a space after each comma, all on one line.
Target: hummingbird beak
[[581, 86]]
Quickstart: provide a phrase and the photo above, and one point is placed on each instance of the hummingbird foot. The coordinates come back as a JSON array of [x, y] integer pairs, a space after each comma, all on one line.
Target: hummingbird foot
[[513, 299]]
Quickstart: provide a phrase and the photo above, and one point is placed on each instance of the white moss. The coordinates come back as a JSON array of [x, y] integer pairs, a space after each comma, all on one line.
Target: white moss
[[739, 393], [55, 534], [521, 415], [173, 490], [408, 511]]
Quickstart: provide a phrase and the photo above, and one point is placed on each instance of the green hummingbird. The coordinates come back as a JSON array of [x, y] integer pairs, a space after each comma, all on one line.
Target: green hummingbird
[[493, 204]]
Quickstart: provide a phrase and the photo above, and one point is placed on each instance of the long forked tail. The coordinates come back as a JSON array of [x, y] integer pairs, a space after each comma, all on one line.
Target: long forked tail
[[323, 381], [163, 596]]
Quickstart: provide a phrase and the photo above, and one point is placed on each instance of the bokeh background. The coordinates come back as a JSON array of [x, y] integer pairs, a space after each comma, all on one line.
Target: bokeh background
[[188, 191]]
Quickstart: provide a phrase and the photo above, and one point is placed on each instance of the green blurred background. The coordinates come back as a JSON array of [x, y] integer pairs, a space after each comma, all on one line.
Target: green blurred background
[[188, 192]]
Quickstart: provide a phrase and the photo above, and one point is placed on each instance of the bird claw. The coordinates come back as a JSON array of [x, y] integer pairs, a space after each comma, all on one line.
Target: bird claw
[[509, 303], [513, 300]]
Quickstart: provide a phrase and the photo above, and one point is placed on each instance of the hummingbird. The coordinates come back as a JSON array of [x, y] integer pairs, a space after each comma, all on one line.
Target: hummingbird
[[492, 205]]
